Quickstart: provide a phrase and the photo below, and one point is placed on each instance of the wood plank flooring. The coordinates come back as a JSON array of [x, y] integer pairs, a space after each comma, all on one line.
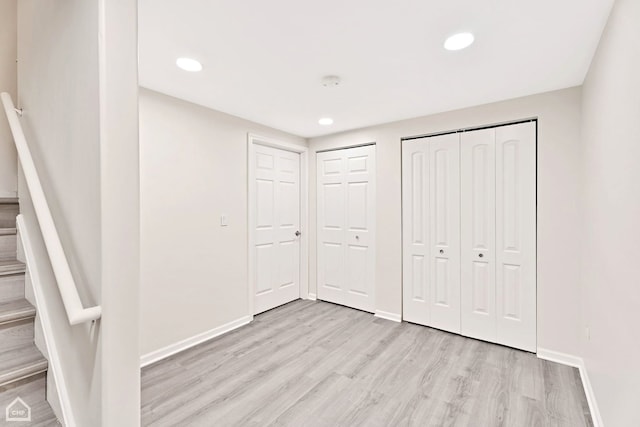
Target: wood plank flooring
[[318, 364]]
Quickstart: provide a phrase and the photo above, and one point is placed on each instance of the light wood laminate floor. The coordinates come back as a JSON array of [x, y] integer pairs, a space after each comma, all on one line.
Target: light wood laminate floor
[[319, 364]]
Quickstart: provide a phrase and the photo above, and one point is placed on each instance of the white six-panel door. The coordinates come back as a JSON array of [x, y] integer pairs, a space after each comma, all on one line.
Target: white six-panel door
[[346, 227], [276, 221], [480, 280]]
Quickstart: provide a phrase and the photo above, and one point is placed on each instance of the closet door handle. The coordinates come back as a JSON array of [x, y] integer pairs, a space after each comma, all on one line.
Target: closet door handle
[[480, 255]]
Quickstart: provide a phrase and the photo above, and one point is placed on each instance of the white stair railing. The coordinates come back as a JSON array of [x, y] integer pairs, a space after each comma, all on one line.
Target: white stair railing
[[76, 313]]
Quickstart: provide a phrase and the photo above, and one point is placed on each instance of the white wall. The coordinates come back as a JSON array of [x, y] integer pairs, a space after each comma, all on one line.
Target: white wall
[[77, 81], [58, 89], [8, 83], [120, 212], [611, 217], [193, 169], [558, 185]]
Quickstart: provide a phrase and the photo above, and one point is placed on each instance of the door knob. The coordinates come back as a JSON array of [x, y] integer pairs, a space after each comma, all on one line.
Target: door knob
[[298, 233], [480, 255], [357, 237], [441, 251]]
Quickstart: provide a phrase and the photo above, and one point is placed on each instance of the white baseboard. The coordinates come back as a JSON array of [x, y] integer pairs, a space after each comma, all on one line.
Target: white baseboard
[[562, 358], [312, 297], [591, 398], [394, 317], [576, 362], [185, 344], [55, 365]]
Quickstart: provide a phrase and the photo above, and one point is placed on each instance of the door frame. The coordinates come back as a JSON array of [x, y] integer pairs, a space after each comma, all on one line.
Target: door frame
[[252, 141]]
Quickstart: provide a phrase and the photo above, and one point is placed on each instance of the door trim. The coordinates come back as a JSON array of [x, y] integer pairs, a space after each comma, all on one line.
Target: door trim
[[252, 141], [471, 129], [346, 147]]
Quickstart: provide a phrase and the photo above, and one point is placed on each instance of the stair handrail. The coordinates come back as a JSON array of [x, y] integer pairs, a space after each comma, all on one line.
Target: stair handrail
[[76, 312]]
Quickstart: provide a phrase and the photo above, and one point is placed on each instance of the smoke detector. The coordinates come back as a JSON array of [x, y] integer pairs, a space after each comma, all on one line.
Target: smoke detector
[[330, 81]]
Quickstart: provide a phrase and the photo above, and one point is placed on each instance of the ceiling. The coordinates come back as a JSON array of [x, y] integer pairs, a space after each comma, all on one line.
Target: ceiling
[[264, 60]]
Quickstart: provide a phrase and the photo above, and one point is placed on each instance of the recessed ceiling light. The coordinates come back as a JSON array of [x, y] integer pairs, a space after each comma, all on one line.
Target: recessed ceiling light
[[189, 64], [326, 121], [459, 41]]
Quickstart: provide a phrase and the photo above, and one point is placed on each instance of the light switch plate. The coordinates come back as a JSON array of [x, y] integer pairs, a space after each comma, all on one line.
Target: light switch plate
[[223, 220]]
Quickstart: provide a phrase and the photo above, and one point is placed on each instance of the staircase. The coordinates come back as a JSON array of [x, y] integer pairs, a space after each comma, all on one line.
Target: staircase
[[23, 369]]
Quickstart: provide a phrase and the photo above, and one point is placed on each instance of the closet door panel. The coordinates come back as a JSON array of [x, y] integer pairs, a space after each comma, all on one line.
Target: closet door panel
[[357, 238], [360, 233], [478, 275], [516, 235], [444, 213], [415, 229], [331, 223]]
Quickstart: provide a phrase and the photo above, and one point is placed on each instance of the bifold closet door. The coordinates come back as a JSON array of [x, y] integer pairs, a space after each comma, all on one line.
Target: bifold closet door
[[444, 186], [346, 226], [431, 235], [469, 233], [416, 243], [498, 232], [516, 235], [478, 234]]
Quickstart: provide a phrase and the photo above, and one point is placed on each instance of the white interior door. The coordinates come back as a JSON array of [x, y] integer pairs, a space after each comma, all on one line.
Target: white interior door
[[346, 227], [444, 212], [478, 219], [276, 227], [415, 231], [516, 235]]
